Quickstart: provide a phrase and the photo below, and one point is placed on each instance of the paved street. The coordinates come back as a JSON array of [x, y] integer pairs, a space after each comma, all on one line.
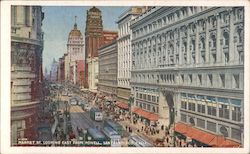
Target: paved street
[[81, 119]]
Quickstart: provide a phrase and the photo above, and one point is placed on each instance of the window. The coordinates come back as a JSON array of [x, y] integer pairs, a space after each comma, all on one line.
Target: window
[[211, 126], [210, 79], [236, 81], [183, 105], [182, 78], [236, 134], [211, 109], [236, 109], [202, 45], [200, 123], [190, 78], [201, 108], [214, 58], [223, 111], [213, 41], [149, 97], [222, 80], [191, 106], [200, 79], [153, 98], [183, 117], [226, 38], [240, 35], [148, 107]]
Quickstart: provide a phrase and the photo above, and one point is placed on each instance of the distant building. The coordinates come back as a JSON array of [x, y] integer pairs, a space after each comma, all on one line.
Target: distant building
[[109, 36], [108, 70], [188, 67], [26, 71], [53, 70], [66, 66], [80, 73], [75, 50]]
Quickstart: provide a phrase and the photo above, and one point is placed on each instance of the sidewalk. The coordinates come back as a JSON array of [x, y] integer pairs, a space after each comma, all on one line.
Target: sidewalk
[[138, 126]]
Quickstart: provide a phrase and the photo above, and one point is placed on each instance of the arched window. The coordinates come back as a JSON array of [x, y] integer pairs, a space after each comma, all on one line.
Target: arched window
[[213, 41], [240, 35], [226, 38], [202, 43]]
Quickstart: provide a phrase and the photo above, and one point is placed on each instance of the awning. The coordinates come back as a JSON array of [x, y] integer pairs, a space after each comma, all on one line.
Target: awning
[[204, 137], [122, 105], [148, 115]]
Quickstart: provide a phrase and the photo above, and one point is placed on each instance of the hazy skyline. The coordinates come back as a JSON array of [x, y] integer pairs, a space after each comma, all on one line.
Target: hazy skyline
[[59, 21]]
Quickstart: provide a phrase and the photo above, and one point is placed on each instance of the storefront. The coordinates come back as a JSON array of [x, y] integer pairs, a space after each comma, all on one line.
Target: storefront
[[202, 138]]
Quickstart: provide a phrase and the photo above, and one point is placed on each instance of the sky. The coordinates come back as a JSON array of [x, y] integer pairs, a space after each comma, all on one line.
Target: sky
[[59, 21]]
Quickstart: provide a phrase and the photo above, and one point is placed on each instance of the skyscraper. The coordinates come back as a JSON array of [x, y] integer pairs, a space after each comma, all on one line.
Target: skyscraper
[[93, 40]]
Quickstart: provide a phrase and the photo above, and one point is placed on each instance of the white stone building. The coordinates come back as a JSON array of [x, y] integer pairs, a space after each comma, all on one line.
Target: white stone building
[[124, 53], [107, 83], [75, 50], [189, 62], [26, 70]]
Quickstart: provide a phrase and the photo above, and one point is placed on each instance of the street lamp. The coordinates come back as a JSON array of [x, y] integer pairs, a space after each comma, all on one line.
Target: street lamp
[[174, 113], [130, 101]]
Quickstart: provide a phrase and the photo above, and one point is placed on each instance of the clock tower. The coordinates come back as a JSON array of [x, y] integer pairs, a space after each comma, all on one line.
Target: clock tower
[[93, 40]]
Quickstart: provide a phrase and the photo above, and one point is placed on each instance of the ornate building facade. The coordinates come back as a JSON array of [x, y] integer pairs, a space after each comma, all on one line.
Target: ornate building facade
[[107, 84], [189, 62], [75, 50], [124, 53], [26, 70], [93, 40]]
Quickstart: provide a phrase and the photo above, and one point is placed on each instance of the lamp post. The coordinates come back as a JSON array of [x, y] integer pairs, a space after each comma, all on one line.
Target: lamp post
[[174, 113], [130, 101]]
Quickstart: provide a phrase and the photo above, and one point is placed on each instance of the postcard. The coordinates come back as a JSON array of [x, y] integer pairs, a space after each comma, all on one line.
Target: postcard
[[124, 78]]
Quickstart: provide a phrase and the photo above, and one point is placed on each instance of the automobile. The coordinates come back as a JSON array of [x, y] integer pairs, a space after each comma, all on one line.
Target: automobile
[[87, 107], [73, 101]]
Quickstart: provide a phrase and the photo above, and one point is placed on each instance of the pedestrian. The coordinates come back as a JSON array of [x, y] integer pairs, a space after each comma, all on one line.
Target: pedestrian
[[162, 127], [126, 127], [141, 128]]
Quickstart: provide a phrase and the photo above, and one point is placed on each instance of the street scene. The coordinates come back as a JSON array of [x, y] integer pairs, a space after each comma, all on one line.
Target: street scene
[[127, 76]]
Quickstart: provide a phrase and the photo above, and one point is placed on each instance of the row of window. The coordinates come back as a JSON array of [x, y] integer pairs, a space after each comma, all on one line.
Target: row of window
[[216, 109], [148, 107], [141, 57], [209, 80], [147, 97], [223, 17], [212, 126]]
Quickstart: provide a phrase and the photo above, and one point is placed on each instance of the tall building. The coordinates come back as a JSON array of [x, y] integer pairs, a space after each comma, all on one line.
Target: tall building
[[189, 62], [66, 67], [53, 70], [93, 40], [26, 70], [107, 84], [75, 50], [124, 53]]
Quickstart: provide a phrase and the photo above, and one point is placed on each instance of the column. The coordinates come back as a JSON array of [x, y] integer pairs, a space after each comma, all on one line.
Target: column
[[207, 51], [197, 51], [181, 54], [218, 37], [231, 37], [188, 44]]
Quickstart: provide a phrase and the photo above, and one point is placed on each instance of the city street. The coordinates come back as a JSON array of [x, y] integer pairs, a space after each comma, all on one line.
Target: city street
[[81, 119]]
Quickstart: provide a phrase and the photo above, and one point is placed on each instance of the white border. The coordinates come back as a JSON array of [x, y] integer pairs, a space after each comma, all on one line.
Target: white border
[[5, 76]]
